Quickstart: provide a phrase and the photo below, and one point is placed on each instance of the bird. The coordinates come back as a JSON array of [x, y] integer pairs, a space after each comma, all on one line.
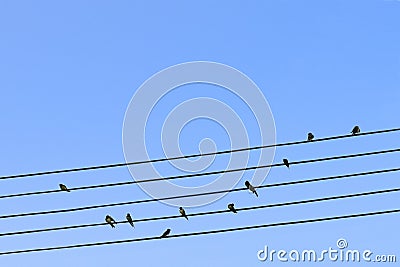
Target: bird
[[355, 130], [166, 233], [129, 218], [231, 207], [310, 137], [110, 221], [250, 187], [286, 162], [63, 187], [183, 213]]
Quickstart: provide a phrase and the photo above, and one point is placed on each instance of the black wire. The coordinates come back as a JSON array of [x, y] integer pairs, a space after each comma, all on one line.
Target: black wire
[[208, 213], [190, 195], [191, 156], [204, 232], [204, 174]]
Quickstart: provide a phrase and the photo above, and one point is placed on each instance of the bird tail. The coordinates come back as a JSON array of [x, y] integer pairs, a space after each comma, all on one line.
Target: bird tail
[[234, 211], [255, 192], [186, 218], [112, 225]]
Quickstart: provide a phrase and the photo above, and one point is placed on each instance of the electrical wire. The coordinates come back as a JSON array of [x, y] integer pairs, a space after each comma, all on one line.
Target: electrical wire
[[315, 200], [205, 173], [243, 228], [193, 155], [195, 195]]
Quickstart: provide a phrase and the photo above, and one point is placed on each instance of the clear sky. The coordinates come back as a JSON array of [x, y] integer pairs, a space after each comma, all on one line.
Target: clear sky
[[68, 70]]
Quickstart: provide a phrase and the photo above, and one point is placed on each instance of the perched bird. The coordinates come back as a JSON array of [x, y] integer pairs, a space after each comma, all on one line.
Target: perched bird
[[183, 213], [310, 137], [231, 207], [129, 218], [250, 187], [355, 130], [166, 233], [286, 162], [63, 187], [110, 221]]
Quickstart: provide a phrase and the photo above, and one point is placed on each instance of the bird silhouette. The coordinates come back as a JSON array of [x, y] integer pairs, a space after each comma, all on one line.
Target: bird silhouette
[[110, 221], [183, 213], [250, 187], [63, 187], [286, 162], [356, 130], [166, 233], [129, 219], [231, 207], [310, 137]]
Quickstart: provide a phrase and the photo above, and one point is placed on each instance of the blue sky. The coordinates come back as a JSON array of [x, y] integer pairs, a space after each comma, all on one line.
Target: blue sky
[[68, 70]]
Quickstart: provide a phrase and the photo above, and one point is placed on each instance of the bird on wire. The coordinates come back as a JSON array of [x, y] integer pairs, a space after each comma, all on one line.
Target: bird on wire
[[63, 187], [286, 162], [166, 233], [310, 137], [183, 213], [356, 130], [129, 219], [231, 207], [250, 187], [110, 221]]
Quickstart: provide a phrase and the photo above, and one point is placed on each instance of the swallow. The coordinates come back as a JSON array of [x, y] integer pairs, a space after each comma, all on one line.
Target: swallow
[[63, 187], [355, 130], [231, 207], [183, 213], [166, 233], [310, 137], [250, 187], [129, 218], [110, 221], [286, 162]]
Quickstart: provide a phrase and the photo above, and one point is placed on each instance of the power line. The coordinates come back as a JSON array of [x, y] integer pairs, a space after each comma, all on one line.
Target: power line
[[208, 193], [204, 232], [194, 195], [206, 173], [193, 155], [209, 212]]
